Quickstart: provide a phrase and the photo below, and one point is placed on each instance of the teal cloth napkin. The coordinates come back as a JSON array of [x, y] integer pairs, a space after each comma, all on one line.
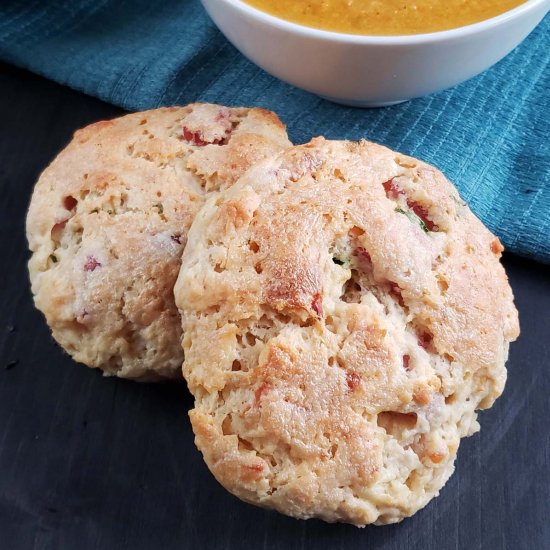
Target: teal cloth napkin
[[490, 135]]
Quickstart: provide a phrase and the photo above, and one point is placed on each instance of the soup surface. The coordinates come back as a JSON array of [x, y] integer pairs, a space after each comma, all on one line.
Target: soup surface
[[385, 17]]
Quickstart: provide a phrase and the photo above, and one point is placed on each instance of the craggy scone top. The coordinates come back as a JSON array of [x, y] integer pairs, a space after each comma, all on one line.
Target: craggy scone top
[[108, 221], [345, 314]]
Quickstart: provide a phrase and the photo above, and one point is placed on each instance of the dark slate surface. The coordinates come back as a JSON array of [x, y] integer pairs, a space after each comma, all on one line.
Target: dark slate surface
[[87, 462]]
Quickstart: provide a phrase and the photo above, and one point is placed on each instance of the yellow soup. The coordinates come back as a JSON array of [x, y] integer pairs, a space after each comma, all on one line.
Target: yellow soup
[[385, 17]]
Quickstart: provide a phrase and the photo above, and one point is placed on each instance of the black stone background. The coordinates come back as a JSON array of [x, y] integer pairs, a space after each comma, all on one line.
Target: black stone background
[[88, 462]]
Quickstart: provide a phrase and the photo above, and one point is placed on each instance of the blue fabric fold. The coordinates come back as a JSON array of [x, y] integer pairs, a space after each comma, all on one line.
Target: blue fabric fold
[[489, 135]]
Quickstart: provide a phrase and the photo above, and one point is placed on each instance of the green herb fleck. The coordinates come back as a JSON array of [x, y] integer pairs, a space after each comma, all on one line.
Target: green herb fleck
[[95, 211], [413, 218], [337, 261], [159, 207], [53, 258]]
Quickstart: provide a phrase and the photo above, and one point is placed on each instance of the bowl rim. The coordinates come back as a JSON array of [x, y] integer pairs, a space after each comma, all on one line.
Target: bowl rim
[[402, 39]]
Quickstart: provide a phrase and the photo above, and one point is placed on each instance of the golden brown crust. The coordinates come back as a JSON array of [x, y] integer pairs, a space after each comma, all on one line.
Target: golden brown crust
[[344, 314], [108, 221]]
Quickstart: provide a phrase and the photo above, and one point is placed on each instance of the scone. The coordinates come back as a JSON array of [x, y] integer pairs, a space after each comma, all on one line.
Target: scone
[[345, 314], [108, 221]]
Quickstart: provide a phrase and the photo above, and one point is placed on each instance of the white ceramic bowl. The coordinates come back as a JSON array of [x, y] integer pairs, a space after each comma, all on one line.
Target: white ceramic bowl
[[371, 71]]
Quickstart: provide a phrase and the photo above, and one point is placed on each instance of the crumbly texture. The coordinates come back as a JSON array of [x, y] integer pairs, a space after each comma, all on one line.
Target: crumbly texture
[[345, 314], [108, 221]]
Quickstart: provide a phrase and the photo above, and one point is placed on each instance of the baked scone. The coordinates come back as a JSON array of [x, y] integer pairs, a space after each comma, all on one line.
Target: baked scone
[[345, 314], [108, 221]]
